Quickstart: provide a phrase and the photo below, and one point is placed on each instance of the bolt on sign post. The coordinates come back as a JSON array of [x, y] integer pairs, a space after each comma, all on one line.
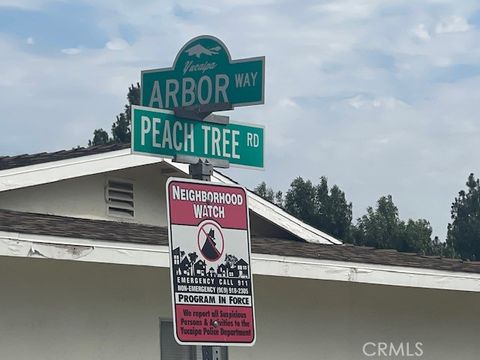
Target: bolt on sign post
[[161, 132], [210, 264], [203, 73]]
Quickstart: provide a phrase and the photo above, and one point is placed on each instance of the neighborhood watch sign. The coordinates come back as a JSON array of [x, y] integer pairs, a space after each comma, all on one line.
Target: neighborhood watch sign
[[211, 276], [203, 73]]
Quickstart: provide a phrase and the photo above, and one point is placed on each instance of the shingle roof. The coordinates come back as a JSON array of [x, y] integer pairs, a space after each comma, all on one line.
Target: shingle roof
[[42, 224], [10, 162]]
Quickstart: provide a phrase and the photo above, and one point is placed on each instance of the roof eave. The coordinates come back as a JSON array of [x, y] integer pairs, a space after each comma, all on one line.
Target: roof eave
[[88, 250]]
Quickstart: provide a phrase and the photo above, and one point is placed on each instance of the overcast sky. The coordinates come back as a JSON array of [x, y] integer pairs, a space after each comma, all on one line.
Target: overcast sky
[[379, 96]]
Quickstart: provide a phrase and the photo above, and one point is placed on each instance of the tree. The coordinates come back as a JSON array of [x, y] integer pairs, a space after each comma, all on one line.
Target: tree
[[382, 228], [379, 227], [121, 127], [264, 191], [268, 194], [440, 248], [416, 236], [230, 260], [335, 213], [193, 257], [463, 236], [320, 206], [100, 137], [300, 200], [133, 98]]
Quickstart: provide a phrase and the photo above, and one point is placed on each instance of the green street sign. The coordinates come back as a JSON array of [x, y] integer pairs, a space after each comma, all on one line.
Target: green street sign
[[160, 132], [203, 73]]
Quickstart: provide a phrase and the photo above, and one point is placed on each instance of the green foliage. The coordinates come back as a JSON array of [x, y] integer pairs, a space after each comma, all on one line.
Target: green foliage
[[320, 206], [463, 235], [100, 137], [133, 98], [440, 248], [327, 209], [268, 194], [415, 236], [121, 127], [378, 227], [300, 200], [382, 228]]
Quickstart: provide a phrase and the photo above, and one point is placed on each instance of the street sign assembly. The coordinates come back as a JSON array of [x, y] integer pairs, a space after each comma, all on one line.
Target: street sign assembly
[[209, 236], [160, 132], [203, 73]]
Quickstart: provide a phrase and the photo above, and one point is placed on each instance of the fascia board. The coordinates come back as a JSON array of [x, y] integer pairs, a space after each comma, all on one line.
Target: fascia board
[[21, 245], [67, 169]]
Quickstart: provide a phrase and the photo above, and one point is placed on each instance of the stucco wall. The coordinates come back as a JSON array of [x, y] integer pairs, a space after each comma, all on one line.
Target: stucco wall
[[85, 196], [69, 310]]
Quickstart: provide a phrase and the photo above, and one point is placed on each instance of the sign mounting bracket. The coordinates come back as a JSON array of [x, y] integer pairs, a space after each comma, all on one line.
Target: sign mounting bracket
[[204, 112]]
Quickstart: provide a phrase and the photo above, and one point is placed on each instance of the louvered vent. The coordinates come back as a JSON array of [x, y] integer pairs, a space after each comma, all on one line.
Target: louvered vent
[[119, 196]]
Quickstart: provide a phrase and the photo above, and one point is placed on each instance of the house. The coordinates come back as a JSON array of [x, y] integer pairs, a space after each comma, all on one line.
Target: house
[[185, 267], [242, 267], [232, 270], [199, 268], [176, 256], [84, 260], [222, 270], [211, 272]]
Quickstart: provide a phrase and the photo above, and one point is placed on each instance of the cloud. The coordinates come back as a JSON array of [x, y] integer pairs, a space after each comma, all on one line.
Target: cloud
[[117, 44], [22, 4], [368, 93], [347, 9], [30, 40], [364, 102], [287, 102], [421, 32], [452, 24], [72, 51]]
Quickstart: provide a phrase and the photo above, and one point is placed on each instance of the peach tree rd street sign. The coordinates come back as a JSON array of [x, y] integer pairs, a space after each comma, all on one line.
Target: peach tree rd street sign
[[161, 132], [203, 73]]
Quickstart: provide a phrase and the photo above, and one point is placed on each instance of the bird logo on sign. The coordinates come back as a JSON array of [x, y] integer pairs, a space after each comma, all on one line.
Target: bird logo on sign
[[198, 50]]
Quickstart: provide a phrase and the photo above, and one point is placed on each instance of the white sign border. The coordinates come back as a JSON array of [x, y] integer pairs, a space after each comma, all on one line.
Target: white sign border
[[171, 112], [169, 225]]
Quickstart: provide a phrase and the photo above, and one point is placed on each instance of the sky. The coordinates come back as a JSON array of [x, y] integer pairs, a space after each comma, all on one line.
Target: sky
[[380, 97]]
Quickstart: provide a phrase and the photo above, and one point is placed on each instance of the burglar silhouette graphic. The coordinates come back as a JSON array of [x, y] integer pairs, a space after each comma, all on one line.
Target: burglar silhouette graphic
[[209, 249]]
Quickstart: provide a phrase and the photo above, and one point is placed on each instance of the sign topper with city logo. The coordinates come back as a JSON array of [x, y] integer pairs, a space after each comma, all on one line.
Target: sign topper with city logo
[[211, 277], [203, 73]]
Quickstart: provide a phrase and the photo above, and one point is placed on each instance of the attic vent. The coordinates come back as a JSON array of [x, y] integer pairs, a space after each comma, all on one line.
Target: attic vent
[[119, 196]]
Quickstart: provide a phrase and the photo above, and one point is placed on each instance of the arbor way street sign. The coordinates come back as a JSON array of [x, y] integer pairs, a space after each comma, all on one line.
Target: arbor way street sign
[[204, 74], [160, 132], [210, 272]]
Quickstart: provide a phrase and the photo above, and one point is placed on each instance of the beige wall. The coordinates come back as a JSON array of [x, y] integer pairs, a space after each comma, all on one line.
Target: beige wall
[[71, 310], [85, 196]]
